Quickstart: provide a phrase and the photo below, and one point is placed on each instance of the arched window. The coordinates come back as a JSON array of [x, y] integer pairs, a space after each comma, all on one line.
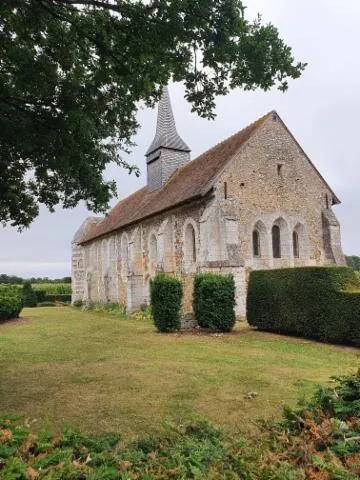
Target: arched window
[[300, 243], [296, 248], [153, 253], [276, 241], [256, 243], [190, 244]]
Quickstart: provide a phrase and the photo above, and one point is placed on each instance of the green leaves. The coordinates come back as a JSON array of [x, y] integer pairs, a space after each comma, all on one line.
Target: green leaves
[[72, 76], [166, 293], [214, 301]]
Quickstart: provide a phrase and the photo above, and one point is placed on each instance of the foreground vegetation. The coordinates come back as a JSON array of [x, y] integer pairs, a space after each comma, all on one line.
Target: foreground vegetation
[[104, 373], [319, 440]]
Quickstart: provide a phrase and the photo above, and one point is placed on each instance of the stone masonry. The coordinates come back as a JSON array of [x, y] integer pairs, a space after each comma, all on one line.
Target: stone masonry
[[253, 201]]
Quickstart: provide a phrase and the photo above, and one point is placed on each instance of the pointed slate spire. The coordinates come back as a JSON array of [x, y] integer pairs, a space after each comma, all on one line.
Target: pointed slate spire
[[166, 134], [168, 151]]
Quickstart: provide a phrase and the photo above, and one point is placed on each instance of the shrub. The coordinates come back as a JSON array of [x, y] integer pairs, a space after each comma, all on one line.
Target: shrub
[[29, 296], [214, 301], [10, 302], [321, 436], [77, 303], [112, 308], [46, 304], [166, 294], [315, 302], [60, 297], [40, 295], [195, 450], [143, 314]]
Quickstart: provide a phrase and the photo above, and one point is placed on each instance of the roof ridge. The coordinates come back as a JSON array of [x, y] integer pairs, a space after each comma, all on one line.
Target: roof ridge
[[188, 182], [260, 120]]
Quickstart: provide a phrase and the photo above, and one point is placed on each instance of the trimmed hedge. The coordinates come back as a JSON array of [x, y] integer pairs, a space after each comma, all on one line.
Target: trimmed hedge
[[40, 295], [166, 294], [214, 301], [322, 303], [11, 302], [60, 297]]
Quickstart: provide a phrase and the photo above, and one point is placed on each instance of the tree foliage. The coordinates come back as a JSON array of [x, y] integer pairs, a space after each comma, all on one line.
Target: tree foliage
[[73, 74], [15, 280], [353, 261], [28, 294]]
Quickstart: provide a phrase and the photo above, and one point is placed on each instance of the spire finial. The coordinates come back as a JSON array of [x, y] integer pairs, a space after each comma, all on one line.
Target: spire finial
[[166, 134]]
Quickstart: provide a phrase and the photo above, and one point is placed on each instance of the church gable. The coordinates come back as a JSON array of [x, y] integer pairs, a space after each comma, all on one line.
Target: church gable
[[271, 165], [282, 203]]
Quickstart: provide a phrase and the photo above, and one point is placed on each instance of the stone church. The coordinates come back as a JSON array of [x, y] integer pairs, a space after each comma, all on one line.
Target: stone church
[[253, 201]]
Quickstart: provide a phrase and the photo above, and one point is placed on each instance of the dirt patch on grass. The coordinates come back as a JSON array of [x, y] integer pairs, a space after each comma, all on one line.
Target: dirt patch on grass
[[14, 322]]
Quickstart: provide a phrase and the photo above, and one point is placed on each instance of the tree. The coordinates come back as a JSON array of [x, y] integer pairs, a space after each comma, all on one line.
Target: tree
[[10, 279], [29, 296], [353, 261], [73, 74]]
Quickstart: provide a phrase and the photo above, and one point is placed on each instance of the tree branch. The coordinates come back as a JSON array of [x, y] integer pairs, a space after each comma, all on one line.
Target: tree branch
[[90, 3], [47, 6]]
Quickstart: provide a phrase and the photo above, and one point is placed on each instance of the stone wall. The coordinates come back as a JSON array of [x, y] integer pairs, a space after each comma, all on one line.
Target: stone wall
[[119, 267], [272, 182]]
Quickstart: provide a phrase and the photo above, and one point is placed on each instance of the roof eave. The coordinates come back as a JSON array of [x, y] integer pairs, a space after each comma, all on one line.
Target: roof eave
[[194, 198]]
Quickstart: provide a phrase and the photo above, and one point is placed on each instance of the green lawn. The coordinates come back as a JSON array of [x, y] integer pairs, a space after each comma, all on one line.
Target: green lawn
[[102, 373]]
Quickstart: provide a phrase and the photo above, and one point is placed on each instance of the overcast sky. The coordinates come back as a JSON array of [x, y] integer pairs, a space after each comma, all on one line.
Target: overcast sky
[[322, 109]]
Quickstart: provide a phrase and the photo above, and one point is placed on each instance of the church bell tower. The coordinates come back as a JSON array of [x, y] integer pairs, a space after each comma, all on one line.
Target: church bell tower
[[168, 150]]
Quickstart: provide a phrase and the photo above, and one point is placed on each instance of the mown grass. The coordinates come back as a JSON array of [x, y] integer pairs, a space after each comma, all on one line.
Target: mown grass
[[101, 373]]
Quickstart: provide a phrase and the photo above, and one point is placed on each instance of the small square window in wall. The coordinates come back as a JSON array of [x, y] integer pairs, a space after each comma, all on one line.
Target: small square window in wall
[[280, 168]]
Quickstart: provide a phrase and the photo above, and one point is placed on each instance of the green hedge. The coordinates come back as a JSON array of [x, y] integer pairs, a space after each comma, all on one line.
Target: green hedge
[[10, 302], [40, 295], [315, 302], [214, 301], [166, 294], [64, 297]]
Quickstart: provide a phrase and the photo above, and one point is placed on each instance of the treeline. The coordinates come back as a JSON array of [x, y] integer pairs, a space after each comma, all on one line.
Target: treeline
[[14, 280], [353, 261]]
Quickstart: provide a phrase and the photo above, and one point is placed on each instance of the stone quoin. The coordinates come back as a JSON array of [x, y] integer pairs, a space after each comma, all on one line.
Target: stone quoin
[[253, 201]]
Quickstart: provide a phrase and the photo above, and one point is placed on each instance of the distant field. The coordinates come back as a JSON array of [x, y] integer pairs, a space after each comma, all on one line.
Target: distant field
[[105, 373], [53, 288]]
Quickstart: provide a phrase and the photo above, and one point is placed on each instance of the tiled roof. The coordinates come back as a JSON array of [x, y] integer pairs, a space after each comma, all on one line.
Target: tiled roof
[[192, 181]]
